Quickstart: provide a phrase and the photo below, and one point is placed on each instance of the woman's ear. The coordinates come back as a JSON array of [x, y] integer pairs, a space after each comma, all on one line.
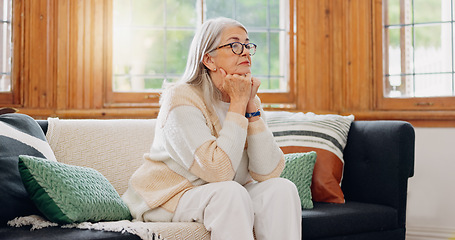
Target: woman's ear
[[209, 62]]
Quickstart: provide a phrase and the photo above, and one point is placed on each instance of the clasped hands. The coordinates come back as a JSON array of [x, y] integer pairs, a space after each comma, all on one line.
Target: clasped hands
[[242, 89]]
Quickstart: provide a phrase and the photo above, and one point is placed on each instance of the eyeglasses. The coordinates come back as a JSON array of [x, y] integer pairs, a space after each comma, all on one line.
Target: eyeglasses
[[237, 47]]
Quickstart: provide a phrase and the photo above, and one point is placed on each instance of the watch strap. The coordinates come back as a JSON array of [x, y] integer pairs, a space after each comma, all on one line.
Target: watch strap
[[253, 114]]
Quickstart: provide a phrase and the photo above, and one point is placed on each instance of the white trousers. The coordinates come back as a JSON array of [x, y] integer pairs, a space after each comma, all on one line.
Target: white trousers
[[230, 211]]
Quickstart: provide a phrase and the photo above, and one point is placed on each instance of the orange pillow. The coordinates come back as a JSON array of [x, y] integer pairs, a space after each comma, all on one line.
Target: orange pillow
[[324, 134]]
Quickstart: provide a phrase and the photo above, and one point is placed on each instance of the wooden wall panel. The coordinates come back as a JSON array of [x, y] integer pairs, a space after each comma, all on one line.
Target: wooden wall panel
[[338, 54], [85, 68], [38, 67], [76, 52], [334, 55], [62, 70], [313, 54], [99, 70], [59, 55], [359, 77]]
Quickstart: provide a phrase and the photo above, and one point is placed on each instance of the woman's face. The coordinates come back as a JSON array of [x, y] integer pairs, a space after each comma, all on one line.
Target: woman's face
[[226, 59]]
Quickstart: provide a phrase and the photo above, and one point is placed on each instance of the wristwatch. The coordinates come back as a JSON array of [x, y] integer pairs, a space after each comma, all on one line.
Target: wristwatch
[[253, 114]]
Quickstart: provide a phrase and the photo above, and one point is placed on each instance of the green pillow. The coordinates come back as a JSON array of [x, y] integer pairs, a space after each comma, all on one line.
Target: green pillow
[[68, 194], [299, 170]]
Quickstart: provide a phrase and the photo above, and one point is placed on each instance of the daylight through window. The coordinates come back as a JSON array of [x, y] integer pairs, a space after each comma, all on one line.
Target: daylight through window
[[151, 39], [418, 48]]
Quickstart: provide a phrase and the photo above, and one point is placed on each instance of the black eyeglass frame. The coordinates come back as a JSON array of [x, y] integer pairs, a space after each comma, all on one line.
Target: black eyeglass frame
[[244, 45]]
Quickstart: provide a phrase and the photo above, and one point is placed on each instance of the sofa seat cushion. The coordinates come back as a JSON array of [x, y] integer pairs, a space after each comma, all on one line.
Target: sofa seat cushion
[[328, 219]]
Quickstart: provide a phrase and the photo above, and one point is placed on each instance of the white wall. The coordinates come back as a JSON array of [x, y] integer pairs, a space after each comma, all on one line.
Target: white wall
[[431, 194]]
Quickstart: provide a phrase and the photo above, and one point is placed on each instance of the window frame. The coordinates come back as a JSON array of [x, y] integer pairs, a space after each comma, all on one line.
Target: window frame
[[419, 108], [286, 100], [13, 97]]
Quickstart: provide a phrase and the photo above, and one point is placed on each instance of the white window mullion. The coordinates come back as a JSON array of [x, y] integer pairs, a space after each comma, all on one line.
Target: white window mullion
[[5, 46]]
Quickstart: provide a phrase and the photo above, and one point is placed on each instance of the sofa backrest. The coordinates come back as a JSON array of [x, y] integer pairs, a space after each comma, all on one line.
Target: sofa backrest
[[113, 147]]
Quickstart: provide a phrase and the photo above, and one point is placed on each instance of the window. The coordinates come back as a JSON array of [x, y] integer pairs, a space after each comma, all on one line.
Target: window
[[151, 41], [5, 45], [418, 56], [419, 48]]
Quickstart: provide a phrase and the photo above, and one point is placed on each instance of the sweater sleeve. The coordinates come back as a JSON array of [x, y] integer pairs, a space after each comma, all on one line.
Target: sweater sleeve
[[190, 142], [266, 160]]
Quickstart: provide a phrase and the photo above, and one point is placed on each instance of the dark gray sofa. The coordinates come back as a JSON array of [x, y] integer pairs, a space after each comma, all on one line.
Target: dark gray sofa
[[379, 159]]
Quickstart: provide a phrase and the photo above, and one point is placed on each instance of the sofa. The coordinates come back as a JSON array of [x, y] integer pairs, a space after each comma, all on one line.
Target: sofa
[[378, 160]]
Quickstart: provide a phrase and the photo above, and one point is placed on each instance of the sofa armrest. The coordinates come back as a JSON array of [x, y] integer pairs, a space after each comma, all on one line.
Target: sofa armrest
[[379, 159], [43, 124]]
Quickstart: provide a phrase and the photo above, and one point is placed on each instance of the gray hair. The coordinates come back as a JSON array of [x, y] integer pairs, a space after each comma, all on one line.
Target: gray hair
[[206, 39]]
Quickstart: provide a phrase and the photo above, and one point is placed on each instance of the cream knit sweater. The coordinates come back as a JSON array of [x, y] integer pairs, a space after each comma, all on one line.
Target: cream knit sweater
[[191, 148]]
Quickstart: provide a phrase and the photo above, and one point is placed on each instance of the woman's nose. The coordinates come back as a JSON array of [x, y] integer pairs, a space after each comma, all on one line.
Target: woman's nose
[[246, 51]]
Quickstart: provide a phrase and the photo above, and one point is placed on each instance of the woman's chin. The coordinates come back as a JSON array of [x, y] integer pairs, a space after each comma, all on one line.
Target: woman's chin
[[243, 70]]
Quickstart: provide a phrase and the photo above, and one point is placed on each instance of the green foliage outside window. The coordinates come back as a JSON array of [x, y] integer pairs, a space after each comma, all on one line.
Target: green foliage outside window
[[420, 11], [152, 39]]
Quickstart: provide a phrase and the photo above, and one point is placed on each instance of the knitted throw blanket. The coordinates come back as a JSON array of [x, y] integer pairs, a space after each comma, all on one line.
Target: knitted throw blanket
[[145, 230]]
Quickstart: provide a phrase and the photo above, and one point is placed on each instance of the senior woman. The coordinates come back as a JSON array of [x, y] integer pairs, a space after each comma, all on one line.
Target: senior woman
[[213, 159]]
